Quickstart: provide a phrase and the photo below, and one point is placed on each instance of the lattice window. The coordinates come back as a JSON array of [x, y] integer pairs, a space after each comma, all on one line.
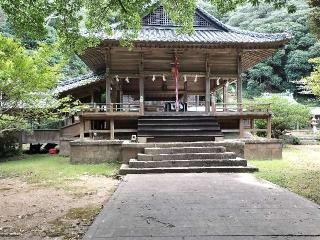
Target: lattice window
[[160, 18], [200, 21]]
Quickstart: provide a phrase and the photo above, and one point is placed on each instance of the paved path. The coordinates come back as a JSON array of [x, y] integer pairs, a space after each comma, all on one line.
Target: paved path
[[205, 206]]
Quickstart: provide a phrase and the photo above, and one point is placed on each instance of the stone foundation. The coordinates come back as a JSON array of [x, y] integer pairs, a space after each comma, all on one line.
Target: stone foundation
[[99, 151], [64, 146], [95, 151], [262, 149]]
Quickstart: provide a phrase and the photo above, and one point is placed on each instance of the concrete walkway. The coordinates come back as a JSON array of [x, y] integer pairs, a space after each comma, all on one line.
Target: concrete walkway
[[205, 206]]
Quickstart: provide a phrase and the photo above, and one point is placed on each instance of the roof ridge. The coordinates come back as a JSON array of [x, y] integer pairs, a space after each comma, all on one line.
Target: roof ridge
[[79, 78], [211, 17], [240, 31]]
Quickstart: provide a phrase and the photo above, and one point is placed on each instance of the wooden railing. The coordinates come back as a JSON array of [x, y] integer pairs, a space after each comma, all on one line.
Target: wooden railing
[[241, 107], [192, 106], [112, 107]]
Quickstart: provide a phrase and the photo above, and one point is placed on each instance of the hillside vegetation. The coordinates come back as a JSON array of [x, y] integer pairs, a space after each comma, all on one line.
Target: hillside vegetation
[[287, 65]]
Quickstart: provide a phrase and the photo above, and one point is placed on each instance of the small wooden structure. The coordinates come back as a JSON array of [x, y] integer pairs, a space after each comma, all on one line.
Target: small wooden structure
[[171, 74]]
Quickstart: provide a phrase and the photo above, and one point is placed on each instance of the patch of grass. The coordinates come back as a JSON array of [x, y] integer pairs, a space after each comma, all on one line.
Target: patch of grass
[[72, 225], [298, 171], [48, 169]]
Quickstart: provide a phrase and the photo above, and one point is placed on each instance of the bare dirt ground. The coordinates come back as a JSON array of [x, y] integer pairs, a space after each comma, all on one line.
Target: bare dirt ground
[[33, 211]]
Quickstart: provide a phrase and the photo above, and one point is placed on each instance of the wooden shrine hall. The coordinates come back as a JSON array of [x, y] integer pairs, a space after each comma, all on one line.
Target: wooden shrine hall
[[171, 86]]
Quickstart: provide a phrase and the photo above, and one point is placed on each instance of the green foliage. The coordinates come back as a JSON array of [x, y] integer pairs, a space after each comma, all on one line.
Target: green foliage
[[314, 17], [286, 114], [27, 78], [296, 141], [313, 81], [74, 67], [77, 22], [277, 73]]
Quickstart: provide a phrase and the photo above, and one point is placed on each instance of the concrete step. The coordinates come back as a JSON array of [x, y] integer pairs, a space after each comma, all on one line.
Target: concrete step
[[172, 150], [226, 169], [133, 163], [185, 156], [187, 144]]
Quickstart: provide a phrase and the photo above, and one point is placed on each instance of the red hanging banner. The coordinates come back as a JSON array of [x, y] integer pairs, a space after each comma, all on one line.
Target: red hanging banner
[[175, 73]]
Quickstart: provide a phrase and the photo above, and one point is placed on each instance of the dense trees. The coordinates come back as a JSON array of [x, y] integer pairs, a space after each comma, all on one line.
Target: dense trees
[[77, 22], [25, 78], [277, 73], [313, 81]]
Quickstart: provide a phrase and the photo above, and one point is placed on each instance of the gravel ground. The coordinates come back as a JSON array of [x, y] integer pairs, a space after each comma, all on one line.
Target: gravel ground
[[36, 211]]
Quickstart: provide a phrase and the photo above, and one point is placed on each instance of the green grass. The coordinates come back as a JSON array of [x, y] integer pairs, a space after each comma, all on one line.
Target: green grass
[[48, 169], [298, 171]]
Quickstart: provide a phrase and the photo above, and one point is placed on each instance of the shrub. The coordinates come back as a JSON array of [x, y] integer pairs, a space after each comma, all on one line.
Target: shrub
[[8, 144], [286, 115], [296, 141]]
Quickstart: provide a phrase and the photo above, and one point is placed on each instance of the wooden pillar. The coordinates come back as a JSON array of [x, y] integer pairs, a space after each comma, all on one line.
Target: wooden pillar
[[197, 102], [120, 93], [253, 126], [111, 128], [185, 94], [207, 84], [269, 127], [241, 128], [108, 80], [225, 96], [92, 97], [87, 123], [239, 82], [239, 90], [108, 93], [141, 84], [213, 102], [82, 126]]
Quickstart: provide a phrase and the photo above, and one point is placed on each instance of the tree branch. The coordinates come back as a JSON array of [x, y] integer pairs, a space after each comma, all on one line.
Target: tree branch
[[8, 130], [122, 6]]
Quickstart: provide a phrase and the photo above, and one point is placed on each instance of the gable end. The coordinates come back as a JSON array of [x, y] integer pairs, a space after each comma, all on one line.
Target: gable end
[[160, 18]]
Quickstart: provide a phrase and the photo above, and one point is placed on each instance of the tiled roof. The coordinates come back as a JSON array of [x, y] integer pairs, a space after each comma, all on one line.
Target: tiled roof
[[76, 82], [156, 34], [214, 33]]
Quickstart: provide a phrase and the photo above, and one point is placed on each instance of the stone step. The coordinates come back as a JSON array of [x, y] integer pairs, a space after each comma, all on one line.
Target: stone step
[[187, 144], [172, 150], [185, 156], [133, 163], [223, 169]]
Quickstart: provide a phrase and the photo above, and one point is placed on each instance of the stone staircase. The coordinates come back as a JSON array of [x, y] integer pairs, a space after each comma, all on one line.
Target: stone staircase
[[184, 158], [172, 128]]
